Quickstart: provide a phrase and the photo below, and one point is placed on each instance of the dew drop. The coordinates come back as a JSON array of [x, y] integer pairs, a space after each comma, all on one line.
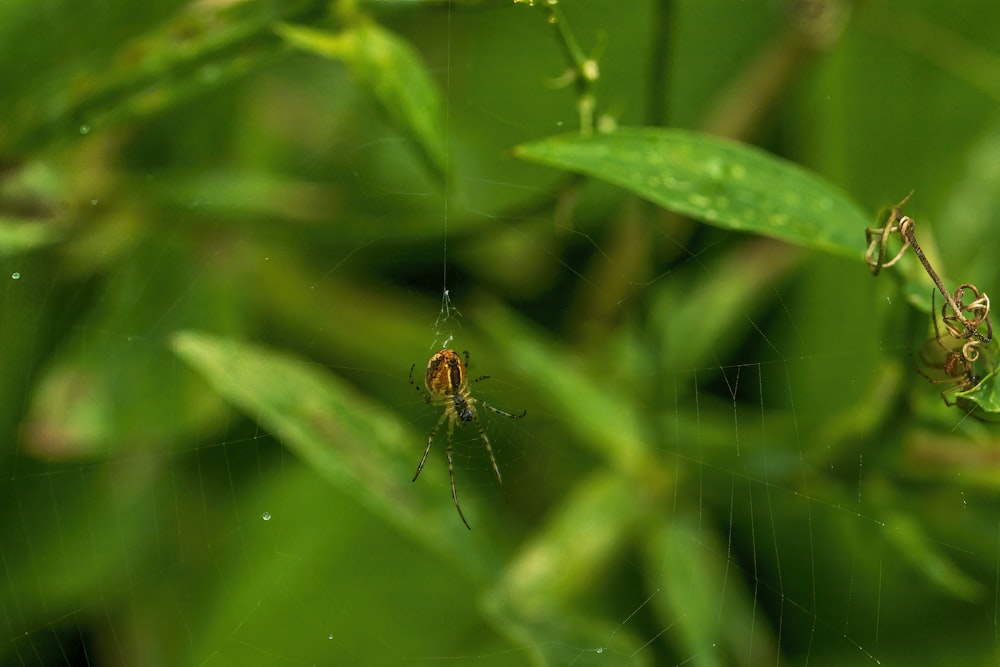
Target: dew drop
[[84, 129], [15, 275], [266, 516], [599, 649], [330, 636], [93, 202]]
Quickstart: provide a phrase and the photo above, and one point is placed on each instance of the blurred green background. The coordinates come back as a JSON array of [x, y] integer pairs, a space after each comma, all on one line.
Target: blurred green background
[[228, 229]]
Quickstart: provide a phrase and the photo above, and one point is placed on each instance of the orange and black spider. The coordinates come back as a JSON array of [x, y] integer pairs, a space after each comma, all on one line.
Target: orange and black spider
[[448, 385]]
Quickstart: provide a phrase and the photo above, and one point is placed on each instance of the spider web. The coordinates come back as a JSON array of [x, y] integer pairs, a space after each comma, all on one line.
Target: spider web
[[777, 528]]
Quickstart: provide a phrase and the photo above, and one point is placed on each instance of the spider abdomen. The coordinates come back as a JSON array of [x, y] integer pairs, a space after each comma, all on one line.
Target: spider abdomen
[[445, 374]]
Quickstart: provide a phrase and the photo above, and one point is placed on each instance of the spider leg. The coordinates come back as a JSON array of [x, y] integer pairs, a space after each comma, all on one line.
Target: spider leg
[[486, 440], [489, 450], [424, 395], [490, 407], [944, 396], [451, 474], [499, 411], [430, 439], [937, 332], [929, 363]]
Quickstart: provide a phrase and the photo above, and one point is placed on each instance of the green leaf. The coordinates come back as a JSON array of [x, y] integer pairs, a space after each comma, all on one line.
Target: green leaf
[[355, 444], [20, 236], [391, 71], [107, 393], [912, 542], [311, 534], [985, 396], [90, 82], [82, 560], [536, 602], [721, 182], [602, 420], [710, 612]]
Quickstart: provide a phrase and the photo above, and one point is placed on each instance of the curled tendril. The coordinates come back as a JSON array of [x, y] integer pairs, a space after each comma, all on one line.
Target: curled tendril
[[877, 239], [970, 351], [960, 326]]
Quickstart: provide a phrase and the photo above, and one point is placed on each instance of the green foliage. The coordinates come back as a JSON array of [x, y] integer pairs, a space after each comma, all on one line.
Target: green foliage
[[227, 231], [723, 183], [391, 71], [309, 412]]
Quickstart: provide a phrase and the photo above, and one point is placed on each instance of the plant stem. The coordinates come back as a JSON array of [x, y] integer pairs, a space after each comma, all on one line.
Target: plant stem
[[584, 70], [906, 229]]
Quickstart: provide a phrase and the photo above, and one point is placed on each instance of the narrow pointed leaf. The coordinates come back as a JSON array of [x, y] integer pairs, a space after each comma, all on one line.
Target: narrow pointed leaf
[[354, 444], [391, 71], [720, 182]]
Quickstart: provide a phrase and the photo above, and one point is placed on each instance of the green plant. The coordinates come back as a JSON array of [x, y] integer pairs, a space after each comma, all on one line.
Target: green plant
[[227, 231]]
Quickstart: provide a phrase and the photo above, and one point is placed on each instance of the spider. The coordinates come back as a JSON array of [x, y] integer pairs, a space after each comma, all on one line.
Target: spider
[[958, 364], [447, 385]]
